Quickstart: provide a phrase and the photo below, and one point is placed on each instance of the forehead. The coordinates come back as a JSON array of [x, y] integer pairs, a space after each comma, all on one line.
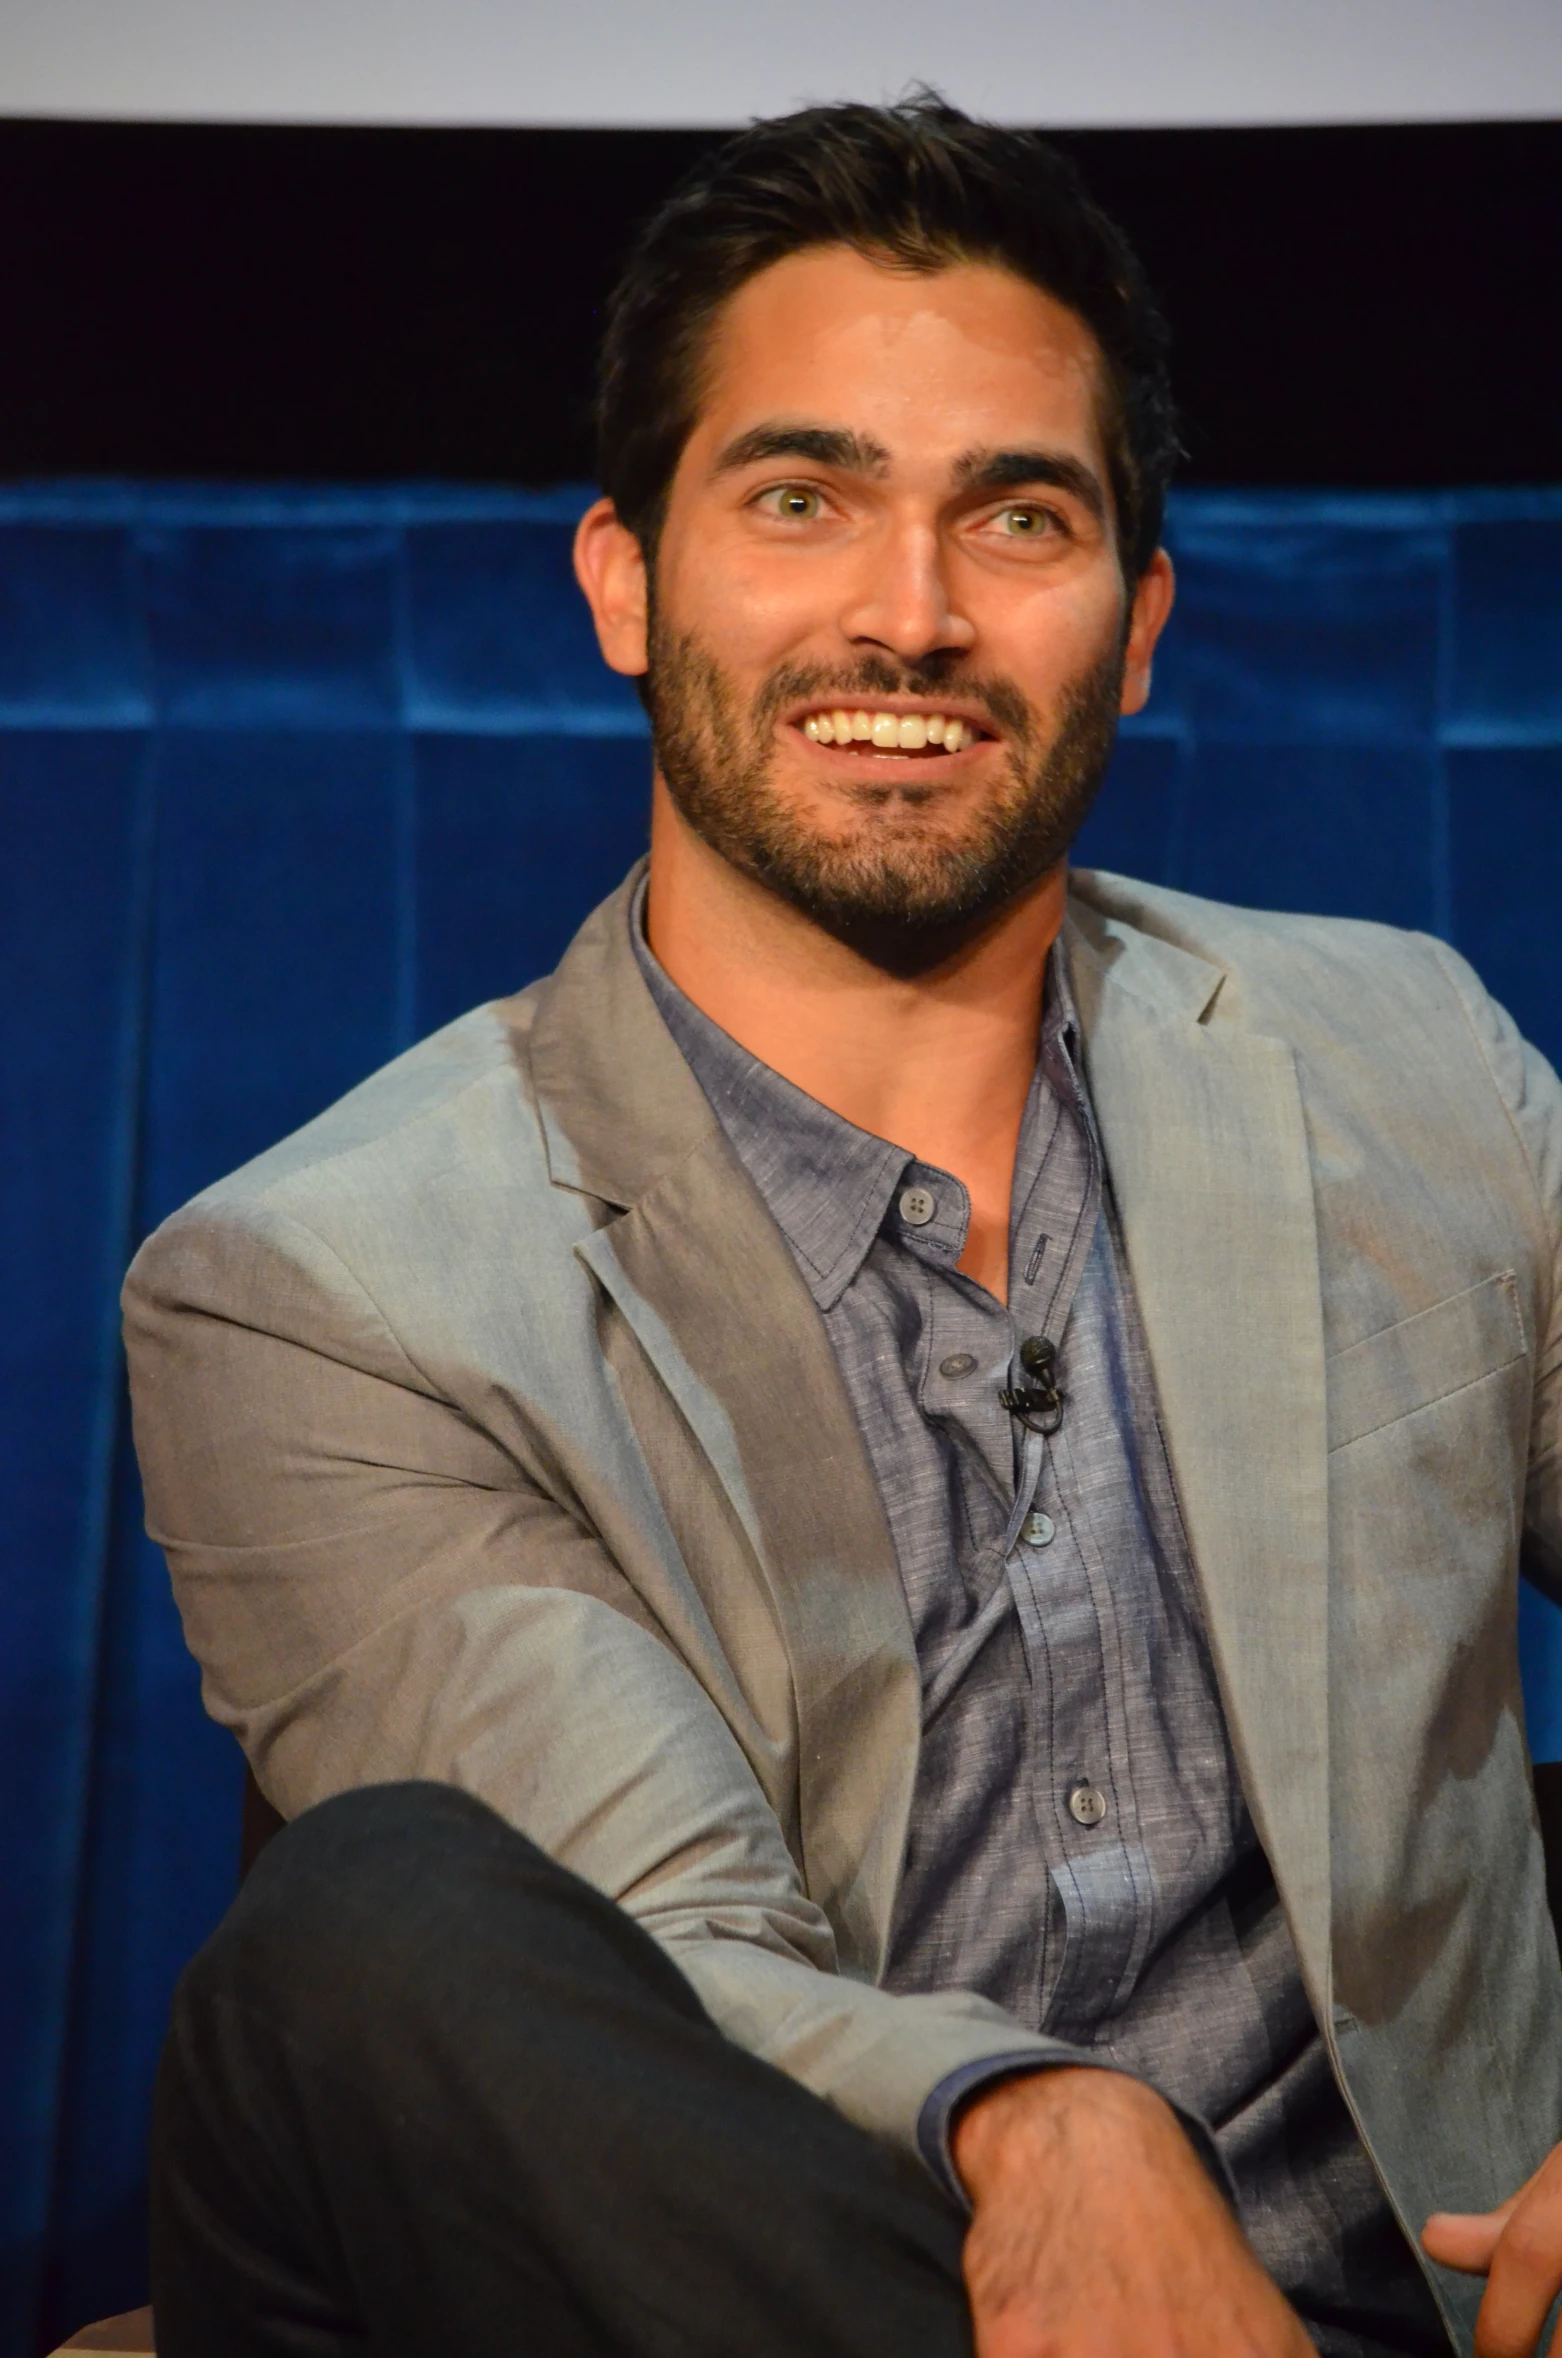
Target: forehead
[[933, 362]]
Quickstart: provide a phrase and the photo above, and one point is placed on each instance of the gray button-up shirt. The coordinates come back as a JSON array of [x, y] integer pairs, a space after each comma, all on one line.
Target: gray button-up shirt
[[1079, 1848]]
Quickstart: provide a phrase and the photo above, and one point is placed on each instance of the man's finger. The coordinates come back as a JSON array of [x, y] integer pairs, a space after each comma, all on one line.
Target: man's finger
[[1524, 2279], [1465, 2240]]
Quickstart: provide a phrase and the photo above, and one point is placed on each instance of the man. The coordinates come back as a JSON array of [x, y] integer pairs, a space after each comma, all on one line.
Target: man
[[891, 1504]]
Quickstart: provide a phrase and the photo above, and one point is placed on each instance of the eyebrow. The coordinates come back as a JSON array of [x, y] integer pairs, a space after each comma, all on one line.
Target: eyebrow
[[822, 446], [1007, 470]]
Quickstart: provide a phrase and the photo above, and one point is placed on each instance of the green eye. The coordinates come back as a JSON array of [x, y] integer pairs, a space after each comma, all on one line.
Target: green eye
[[1022, 523], [798, 504]]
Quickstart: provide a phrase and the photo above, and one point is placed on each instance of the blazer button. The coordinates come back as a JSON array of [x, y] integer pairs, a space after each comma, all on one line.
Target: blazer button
[[1087, 1805]]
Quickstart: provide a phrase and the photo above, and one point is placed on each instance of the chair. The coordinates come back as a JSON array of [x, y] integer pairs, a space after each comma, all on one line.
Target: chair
[[129, 2336], [259, 1821]]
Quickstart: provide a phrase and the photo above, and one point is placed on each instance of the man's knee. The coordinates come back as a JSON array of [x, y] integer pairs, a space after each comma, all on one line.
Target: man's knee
[[387, 1852], [341, 1905], [399, 1902]]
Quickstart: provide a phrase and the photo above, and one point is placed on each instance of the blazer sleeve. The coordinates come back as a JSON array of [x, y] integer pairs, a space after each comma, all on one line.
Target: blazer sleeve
[[374, 1590], [1532, 1096]]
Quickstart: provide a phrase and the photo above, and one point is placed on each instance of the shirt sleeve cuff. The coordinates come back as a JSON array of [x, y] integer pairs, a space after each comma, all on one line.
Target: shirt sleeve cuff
[[938, 2111]]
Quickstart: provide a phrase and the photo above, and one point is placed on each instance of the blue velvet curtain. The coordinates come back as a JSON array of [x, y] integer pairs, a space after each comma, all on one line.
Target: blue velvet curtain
[[288, 778]]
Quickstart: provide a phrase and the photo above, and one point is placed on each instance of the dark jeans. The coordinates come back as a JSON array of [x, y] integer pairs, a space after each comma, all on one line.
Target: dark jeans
[[426, 2092]]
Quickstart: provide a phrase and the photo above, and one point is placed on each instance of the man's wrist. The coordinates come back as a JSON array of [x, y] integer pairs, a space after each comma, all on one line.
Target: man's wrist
[[1009, 2126]]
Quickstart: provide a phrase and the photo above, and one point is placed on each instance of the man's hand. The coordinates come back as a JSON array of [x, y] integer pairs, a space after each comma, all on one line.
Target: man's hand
[[1518, 2249], [1097, 2232]]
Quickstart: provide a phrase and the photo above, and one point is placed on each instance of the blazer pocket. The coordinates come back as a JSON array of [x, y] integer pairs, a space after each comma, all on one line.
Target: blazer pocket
[[1405, 1367]]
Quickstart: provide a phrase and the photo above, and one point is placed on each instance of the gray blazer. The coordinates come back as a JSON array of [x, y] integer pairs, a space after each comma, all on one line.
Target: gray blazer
[[492, 1436]]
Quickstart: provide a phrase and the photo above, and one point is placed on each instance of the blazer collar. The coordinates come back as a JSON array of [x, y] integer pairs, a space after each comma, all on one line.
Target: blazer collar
[[1107, 957], [618, 1105]]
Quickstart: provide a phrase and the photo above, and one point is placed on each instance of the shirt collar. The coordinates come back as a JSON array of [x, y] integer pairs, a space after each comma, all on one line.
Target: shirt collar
[[827, 1185]]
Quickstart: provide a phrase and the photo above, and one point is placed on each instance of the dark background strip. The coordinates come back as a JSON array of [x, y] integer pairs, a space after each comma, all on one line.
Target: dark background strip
[[1351, 307]]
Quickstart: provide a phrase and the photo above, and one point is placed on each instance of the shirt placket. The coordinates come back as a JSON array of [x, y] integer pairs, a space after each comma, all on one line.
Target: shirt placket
[[970, 1335], [1081, 1795]]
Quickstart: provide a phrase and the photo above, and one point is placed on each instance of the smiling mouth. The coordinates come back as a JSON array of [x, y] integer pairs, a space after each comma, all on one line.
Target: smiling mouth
[[865, 729]]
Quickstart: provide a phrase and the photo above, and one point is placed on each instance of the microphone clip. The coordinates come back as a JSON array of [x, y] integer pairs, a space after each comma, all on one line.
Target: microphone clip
[[1038, 1404]]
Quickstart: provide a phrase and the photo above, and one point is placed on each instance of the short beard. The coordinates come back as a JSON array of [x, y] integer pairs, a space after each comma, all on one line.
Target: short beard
[[902, 893]]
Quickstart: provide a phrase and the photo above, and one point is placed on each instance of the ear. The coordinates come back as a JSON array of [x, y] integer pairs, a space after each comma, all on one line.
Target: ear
[[611, 571], [1152, 604]]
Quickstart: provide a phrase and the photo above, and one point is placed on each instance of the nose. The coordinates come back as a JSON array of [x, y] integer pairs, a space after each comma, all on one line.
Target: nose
[[901, 601]]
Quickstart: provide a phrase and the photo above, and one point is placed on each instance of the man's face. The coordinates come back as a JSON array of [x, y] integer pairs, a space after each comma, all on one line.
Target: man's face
[[887, 641]]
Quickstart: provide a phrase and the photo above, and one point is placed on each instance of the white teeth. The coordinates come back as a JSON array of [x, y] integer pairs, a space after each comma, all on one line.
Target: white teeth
[[892, 732]]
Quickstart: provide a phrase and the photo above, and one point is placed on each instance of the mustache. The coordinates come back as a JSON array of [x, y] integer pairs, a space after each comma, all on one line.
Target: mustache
[[998, 699]]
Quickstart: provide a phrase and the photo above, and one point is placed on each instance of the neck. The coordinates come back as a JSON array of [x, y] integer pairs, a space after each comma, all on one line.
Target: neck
[[939, 1063]]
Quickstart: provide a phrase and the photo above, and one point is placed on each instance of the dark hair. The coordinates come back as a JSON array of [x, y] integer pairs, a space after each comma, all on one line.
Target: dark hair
[[921, 185]]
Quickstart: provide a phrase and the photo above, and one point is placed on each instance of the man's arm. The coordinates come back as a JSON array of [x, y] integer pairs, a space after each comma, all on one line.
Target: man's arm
[[1518, 2247], [375, 1589]]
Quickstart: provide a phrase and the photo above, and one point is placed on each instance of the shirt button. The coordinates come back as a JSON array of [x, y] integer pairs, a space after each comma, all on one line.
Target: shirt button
[[958, 1363], [1038, 1530], [1087, 1805], [917, 1206]]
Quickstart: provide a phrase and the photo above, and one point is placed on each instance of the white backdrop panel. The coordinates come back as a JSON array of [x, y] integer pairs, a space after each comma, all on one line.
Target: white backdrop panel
[[716, 62]]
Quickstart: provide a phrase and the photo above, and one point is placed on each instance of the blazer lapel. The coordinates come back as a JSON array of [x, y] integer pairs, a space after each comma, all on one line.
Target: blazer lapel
[[1206, 1146], [704, 1280]]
